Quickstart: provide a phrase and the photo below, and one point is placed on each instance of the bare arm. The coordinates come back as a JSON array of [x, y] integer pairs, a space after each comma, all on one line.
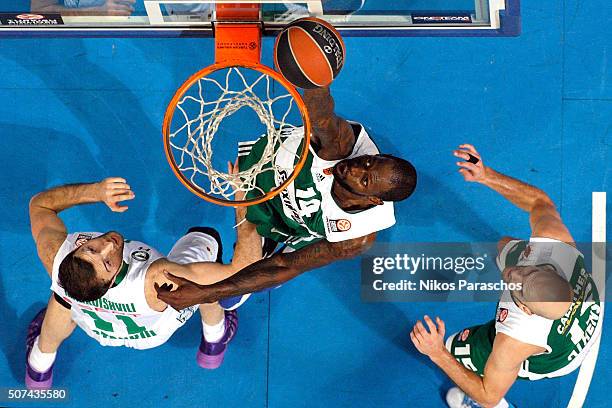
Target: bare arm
[[544, 218], [110, 7], [500, 371], [332, 137], [247, 251], [49, 231], [266, 273]]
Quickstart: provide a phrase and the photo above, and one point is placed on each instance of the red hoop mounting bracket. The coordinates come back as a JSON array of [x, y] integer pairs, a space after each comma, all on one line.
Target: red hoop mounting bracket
[[238, 32]]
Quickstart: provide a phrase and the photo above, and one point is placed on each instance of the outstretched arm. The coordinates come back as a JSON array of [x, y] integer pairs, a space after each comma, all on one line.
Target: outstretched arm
[[247, 251], [264, 274], [500, 371], [544, 218], [48, 230], [332, 137]]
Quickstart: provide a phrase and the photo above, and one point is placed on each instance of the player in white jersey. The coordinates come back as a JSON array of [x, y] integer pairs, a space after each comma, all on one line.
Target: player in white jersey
[[543, 328], [105, 284], [341, 198]]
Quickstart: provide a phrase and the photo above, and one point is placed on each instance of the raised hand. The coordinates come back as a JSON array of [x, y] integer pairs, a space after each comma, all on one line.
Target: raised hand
[[113, 190], [471, 168], [429, 342]]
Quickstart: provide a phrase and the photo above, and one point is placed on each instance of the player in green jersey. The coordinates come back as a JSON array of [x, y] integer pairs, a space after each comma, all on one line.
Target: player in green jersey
[[332, 211], [544, 329]]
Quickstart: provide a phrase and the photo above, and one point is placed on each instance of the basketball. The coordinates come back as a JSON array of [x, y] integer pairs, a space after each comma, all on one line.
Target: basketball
[[309, 53]]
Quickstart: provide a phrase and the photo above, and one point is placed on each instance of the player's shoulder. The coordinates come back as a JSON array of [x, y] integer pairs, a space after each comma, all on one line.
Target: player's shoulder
[[511, 345], [512, 351], [48, 243]]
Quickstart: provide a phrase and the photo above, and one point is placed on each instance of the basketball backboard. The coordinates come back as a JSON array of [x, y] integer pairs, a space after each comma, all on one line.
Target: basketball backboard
[[174, 18]]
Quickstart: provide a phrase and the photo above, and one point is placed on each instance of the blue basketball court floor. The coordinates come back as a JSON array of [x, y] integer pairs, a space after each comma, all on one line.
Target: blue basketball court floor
[[538, 107]]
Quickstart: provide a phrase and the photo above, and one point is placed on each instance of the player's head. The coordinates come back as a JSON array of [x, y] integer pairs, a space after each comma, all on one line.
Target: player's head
[[88, 272], [542, 290], [380, 177]]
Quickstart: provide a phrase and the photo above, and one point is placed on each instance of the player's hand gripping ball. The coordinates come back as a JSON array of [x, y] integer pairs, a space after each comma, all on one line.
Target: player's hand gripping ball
[[309, 53]]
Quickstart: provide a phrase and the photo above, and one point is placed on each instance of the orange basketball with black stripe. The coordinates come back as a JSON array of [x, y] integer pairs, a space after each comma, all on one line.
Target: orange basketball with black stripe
[[309, 53]]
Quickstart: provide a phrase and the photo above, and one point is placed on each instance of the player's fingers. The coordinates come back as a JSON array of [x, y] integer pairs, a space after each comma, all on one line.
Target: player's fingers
[[164, 288], [467, 175], [469, 147], [166, 296], [441, 326], [415, 341], [115, 180], [419, 337], [119, 209], [123, 197], [462, 154], [432, 327], [118, 186], [116, 193], [467, 165], [420, 328], [179, 281]]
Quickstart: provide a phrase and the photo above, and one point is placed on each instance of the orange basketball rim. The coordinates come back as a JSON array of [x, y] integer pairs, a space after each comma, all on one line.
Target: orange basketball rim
[[237, 45]]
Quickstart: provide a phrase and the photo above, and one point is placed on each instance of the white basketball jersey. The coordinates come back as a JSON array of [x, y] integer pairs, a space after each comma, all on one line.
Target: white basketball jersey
[[122, 317]]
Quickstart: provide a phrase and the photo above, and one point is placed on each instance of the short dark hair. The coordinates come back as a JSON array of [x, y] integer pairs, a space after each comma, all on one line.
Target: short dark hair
[[403, 179], [78, 278]]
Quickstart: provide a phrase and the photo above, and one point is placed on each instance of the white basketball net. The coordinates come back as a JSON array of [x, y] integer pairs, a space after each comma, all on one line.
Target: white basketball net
[[192, 141]]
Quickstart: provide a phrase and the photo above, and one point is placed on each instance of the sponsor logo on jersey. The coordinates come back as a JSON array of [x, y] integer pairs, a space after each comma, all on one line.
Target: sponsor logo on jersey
[[502, 314], [141, 255], [464, 335], [81, 239], [287, 200], [342, 225], [320, 177]]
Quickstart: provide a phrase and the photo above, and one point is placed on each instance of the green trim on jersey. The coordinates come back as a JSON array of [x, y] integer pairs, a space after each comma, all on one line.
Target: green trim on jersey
[[270, 217], [122, 273]]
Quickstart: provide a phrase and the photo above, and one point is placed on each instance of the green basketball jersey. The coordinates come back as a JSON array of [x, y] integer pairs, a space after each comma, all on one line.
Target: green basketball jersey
[[306, 212], [566, 340]]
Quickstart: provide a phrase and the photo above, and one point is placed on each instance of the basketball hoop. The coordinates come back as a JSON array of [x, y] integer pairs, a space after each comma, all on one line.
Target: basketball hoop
[[236, 80]]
